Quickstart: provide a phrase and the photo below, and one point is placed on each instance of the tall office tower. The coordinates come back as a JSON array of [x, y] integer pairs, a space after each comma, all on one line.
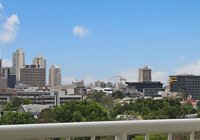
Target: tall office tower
[[18, 62], [145, 74], [39, 61], [187, 84], [54, 76], [32, 75]]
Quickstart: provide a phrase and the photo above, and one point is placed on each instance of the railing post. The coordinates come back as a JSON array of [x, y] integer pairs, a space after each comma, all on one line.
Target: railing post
[[169, 136], [92, 138], [122, 136], [146, 136], [191, 135]]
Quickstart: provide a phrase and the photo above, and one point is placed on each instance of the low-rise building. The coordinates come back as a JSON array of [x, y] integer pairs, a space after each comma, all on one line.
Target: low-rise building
[[34, 109]]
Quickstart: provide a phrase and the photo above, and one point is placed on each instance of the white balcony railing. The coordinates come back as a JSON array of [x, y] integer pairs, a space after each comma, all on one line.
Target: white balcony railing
[[119, 129]]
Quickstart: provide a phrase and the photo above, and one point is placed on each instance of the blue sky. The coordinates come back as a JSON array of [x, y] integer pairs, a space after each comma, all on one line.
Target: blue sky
[[98, 39]]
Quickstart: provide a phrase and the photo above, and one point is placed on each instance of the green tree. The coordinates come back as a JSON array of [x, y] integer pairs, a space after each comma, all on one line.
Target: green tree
[[154, 109], [7, 107], [198, 105], [76, 111], [26, 101], [152, 137], [96, 96], [184, 94], [46, 116], [102, 98], [16, 102], [107, 101], [118, 95], [17, 118]]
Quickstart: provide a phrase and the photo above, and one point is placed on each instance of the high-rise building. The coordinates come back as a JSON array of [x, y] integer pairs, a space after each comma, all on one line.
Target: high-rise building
[[18, 62], [32, 75], [54, 76], [39, 61], [9, 75], [188, 84], [145, 74]]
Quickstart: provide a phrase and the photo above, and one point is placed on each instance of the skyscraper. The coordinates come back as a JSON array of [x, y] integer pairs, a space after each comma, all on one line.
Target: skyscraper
[[32, 75], [18, 62], [145, 74], [54, 76], [39, 61]]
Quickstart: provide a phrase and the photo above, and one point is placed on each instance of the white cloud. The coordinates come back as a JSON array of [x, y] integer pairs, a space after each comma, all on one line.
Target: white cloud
[[131, 74], [160, 76], [9, 30], [87, 80], [68, 80], [1, 7], [193, 68], [6, 63], [80, 31], [9, 26]]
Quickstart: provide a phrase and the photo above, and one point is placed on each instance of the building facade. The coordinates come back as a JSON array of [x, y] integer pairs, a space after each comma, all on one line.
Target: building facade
[[8, 74], [145, 74], [40, 62], [7, 77], [33, 76], [54, 76], [147, 88], [189, 84], [18, 62]]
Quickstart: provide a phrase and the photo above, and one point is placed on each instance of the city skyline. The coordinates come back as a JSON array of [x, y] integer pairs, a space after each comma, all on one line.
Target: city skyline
[[106, 38]]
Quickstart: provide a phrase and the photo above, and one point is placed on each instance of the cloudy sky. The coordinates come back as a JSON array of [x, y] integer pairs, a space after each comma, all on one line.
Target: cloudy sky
[[93, 40]]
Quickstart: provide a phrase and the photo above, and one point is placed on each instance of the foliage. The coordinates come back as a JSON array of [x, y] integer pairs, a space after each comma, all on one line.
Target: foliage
[[184, 94], [15, 103], [46, 116], [17, 118], [102, 98], [77, 111], [118, 95], [7, 107], [26, 101], [152, 137], [154, 109], [198, 105]]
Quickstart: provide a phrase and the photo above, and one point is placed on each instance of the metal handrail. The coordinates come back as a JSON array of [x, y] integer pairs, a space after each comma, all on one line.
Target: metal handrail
[[120, 129]]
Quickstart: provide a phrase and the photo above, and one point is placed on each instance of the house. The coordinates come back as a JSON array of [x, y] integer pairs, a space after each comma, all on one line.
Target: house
[[34, 109]]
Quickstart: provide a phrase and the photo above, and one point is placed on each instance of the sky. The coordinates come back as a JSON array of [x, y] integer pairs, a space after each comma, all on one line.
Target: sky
[[95, 40]]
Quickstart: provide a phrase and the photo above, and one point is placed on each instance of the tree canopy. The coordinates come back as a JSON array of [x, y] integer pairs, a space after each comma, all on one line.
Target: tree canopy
[[154, 109], [17, 118]]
